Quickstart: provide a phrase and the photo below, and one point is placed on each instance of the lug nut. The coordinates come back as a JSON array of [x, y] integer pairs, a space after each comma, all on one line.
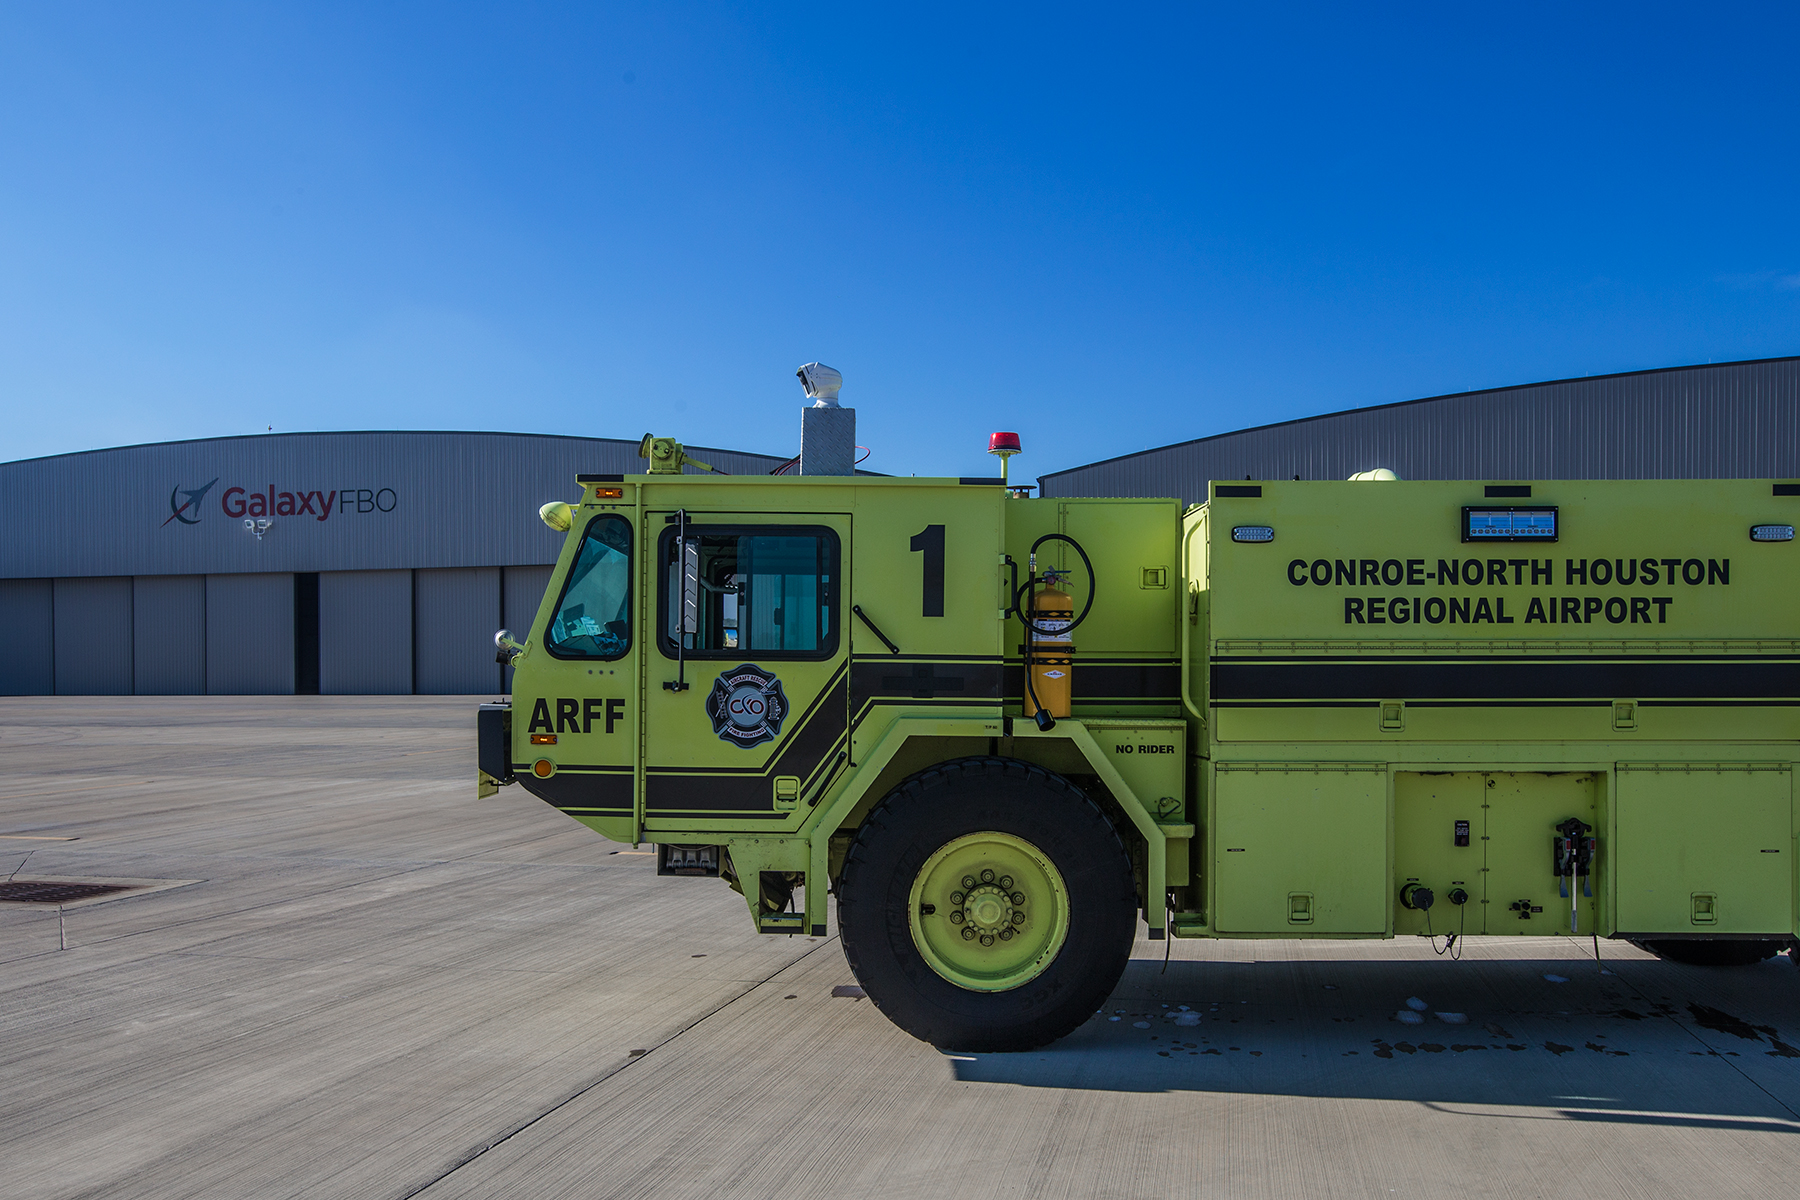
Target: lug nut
[[987, 939], [1006, 882], [956, 918], [987, 877], [1018, 897], [1018, 918], [968, 881], [1006, 935], [956, 897], [968, 935]]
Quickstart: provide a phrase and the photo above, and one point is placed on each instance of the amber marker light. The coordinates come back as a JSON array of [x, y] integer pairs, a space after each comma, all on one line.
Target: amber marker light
[[609, 493], [543, 739], [543, 768]]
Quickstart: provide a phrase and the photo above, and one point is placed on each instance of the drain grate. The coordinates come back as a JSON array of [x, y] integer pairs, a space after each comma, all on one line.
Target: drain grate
[[29, 892]]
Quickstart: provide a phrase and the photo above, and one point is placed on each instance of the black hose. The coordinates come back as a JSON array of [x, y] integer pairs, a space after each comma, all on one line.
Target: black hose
[[1032, 579]]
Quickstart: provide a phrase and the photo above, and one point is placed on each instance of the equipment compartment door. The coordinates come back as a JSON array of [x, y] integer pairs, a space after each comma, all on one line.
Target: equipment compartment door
[[1705, 849], [749, 616], [1301, 849], [1523, 893], [1440, 843]]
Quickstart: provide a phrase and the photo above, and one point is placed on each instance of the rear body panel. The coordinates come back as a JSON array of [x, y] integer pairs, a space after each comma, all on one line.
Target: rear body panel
[[1640, 673]]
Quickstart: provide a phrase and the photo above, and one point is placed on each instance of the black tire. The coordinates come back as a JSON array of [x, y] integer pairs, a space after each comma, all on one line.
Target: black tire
[[1715, 952], [934, 808]]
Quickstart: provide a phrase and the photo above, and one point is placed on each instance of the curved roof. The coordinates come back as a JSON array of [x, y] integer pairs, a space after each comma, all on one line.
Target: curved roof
[[1720, 420], [340, 502]]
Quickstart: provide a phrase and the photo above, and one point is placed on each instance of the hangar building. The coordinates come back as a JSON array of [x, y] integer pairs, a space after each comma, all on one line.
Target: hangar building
[[386, 564], [1726, 421], [391, 558]]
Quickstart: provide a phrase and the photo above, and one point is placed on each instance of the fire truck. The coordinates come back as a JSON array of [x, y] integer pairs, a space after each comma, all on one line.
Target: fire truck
[[1007, 733]]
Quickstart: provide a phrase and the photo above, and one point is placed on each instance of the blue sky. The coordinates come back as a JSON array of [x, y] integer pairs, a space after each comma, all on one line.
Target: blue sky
[[1103, 228]]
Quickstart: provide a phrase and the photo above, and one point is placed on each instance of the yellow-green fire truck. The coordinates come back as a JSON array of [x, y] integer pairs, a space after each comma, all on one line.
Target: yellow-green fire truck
[[1359, 709]]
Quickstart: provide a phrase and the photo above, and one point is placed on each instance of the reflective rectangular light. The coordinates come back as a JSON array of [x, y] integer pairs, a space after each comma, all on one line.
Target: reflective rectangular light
[[1509, 524], [1771, 533], [1252, 533]]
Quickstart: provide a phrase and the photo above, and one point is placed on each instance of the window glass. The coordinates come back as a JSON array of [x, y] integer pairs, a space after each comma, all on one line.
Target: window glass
[[593, 618], [756, 592]]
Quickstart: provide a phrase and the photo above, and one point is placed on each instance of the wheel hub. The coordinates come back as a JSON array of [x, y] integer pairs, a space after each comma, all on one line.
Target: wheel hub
[[989, 911]]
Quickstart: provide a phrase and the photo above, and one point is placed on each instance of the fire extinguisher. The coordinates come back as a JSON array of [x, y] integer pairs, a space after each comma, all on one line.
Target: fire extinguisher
[[1050, 647], [1050, 621]]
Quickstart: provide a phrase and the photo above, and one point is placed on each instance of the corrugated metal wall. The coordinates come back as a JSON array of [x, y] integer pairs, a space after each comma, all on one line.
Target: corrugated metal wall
[[168, 642], [250, 635], [380, 632], [521, 590], [1726, 421], [365, 633], [455, 615], [93, 637], [341, 502], [27, 614]]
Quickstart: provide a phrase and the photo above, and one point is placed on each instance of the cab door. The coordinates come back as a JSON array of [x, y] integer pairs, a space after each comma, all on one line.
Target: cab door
[[745, 696], [574, 725]]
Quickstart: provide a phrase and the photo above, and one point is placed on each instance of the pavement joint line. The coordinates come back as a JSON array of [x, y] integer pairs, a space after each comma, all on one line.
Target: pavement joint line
[[217, 915], [1660, 1116], [629, 1062], [1689, 1030], [1679, 1023], [128, 850], [409, 865]]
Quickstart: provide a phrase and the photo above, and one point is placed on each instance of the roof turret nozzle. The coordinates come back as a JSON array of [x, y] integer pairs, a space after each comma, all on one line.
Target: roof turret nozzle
[[821, 383], [667, 456]]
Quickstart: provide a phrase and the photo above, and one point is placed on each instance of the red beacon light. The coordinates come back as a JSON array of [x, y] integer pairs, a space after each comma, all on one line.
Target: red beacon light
[[1003, 446]]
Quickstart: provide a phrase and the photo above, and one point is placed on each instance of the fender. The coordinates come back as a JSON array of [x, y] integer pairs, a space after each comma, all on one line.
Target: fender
[[842, 799]]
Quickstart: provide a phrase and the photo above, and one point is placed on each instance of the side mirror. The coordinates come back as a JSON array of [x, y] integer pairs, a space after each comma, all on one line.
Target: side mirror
[[505, 649], [690, 589]]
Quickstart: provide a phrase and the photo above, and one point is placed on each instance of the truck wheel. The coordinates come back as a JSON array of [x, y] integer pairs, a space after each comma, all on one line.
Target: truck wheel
[[987, 904], [1714, 952]]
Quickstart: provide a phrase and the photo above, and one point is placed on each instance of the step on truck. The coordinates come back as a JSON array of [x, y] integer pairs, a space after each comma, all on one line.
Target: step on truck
[[1007, 733]]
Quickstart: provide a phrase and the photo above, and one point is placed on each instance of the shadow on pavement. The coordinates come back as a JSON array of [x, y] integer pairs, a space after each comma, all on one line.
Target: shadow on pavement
[[1646, 1042]]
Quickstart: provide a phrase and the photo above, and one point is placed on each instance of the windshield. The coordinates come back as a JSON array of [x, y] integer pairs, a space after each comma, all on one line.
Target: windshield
[[593, 619]]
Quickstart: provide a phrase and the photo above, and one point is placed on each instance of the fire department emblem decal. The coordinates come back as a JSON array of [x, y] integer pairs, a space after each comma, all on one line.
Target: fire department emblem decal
[[747, 706]]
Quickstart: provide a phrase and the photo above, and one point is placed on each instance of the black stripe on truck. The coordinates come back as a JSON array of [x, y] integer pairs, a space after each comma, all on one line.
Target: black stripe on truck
[[1250, 683], [1146, 683]]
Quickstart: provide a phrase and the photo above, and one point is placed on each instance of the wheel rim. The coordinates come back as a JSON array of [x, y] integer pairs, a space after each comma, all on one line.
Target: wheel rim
[[988, 911]]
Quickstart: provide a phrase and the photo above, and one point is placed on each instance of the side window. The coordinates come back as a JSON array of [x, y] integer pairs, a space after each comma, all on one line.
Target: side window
[[593, 615], [763, 592]]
